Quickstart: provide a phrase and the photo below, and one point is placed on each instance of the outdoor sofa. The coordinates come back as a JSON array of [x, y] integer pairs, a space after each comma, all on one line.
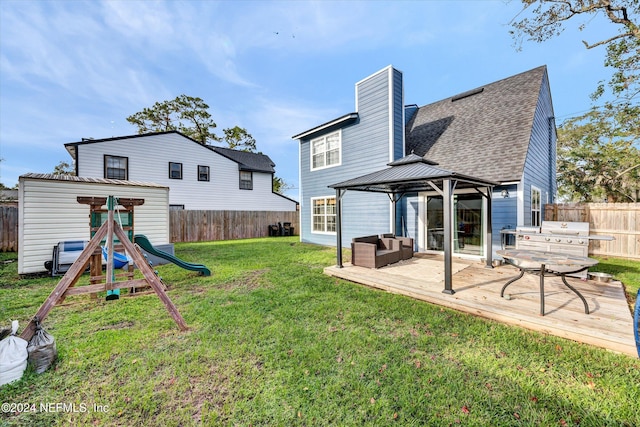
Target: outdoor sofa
[[406, 244], [375, 252]]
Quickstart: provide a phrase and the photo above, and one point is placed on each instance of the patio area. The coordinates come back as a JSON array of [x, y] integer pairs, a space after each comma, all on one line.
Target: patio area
[[477, 291]]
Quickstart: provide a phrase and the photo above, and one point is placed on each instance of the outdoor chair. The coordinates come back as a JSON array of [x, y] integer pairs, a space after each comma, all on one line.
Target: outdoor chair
[[374, 252], [287, 229], [406, 244]]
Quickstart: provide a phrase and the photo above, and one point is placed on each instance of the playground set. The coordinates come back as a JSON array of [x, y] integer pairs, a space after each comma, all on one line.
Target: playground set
[[121, 248]]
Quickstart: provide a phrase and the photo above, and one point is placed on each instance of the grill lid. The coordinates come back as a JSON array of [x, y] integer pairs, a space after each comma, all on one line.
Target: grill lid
[[565, 228], [527, 229]]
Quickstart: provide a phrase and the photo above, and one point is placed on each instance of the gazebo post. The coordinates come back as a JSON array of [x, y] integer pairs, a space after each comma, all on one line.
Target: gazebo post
[[393, 215], [339, 194], [489, 237], [447, 203]]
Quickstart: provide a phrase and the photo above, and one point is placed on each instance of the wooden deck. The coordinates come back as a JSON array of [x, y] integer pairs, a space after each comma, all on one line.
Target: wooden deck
[[477, 291]]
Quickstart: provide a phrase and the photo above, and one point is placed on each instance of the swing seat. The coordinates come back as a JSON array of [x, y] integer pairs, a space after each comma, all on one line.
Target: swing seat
[[119, 260]]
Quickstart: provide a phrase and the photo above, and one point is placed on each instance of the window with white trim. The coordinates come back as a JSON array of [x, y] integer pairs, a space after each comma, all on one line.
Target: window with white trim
[[323, 215], [535, 206], [325, 151]]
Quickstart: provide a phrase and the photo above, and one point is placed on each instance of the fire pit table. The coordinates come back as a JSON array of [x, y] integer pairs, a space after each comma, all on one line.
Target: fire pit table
[[543, 264]]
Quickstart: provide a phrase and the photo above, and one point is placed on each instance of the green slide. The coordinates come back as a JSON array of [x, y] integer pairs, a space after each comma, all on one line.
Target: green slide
[[142, 241]]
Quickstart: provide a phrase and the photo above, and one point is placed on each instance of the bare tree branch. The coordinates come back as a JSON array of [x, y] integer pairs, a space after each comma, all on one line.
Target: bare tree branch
[[600, 43]]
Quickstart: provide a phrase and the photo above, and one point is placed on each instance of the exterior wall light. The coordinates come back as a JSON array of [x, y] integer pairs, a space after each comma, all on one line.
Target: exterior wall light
[[504, 193]]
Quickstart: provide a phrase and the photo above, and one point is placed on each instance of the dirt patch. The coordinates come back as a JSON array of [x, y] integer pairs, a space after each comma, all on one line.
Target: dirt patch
[[247, 282], [119, 325]]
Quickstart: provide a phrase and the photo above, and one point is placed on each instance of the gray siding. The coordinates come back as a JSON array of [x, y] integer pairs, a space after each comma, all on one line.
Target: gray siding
[[398, 116], [407, 217], [540, 165], [409, 111], [365, 148], [503, 213]]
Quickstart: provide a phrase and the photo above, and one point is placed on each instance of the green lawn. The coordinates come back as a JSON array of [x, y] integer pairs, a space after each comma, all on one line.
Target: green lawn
[[273, 341], [627, 271]]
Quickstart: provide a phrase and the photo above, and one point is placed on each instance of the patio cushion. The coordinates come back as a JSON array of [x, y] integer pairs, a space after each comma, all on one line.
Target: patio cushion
[[406, 244]]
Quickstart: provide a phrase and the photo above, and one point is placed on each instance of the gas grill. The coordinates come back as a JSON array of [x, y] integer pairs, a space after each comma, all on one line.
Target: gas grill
[[571, 238]]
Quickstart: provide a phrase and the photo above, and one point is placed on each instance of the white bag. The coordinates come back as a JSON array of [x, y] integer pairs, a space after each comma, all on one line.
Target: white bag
[[13, 356]]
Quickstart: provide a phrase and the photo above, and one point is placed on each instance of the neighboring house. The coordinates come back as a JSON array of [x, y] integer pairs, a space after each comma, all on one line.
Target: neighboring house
[[502, 132], [199, 176]]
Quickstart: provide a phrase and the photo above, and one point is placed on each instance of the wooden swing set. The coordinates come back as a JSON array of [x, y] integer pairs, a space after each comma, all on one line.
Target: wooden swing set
[[92, 255]]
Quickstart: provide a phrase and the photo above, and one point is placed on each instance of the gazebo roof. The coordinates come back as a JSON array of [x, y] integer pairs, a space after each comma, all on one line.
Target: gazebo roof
[[409, 174]]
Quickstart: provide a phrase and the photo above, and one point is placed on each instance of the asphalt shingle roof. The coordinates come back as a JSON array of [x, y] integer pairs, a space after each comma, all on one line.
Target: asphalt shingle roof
[[484, 132], [256, 162]]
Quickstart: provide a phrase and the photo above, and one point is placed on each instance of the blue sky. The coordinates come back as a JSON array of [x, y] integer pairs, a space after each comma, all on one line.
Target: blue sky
[[76, 69]]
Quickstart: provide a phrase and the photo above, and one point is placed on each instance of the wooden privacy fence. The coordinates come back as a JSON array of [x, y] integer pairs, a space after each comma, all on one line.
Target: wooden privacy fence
[[8, 229], [620, 220], [200, 225]]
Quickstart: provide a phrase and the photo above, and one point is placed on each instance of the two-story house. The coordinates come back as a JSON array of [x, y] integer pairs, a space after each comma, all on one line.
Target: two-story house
[[503, 132], [199, 176]]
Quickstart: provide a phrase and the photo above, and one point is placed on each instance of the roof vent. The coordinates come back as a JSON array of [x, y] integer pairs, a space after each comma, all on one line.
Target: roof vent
[[467, 94]]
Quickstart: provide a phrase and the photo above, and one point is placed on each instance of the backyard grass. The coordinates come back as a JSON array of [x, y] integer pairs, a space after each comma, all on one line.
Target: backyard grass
[[624, 270], [275, 342]]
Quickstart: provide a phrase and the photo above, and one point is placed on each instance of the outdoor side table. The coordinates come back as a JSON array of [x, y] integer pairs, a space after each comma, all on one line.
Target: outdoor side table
[[546, 264]]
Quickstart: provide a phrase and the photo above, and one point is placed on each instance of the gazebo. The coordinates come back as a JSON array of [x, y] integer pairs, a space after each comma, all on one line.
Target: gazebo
[[412, 174]]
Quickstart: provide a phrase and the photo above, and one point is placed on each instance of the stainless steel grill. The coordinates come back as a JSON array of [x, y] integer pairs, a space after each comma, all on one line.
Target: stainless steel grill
[[571, 238]]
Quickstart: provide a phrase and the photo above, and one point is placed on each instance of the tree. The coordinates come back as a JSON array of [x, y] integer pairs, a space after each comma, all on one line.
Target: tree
[[189, 116], [623, 49], [64, 168], [598, 157], [238, 138], [280, 186], [598, 152], [185, 114]]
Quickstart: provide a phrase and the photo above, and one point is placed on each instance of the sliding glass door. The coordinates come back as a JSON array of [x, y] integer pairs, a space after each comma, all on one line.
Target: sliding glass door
[[468, 235], [468, 222]]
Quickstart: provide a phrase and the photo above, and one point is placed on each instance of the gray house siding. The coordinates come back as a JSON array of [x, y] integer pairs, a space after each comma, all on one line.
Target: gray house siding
[[409, 111], [540, 167], [366, 147], [407, 217], [503, 213], [398, 116]]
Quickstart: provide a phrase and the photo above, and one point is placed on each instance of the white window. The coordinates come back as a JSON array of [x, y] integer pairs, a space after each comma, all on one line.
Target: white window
[[325, 151], [323, 215], [535, 206]]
